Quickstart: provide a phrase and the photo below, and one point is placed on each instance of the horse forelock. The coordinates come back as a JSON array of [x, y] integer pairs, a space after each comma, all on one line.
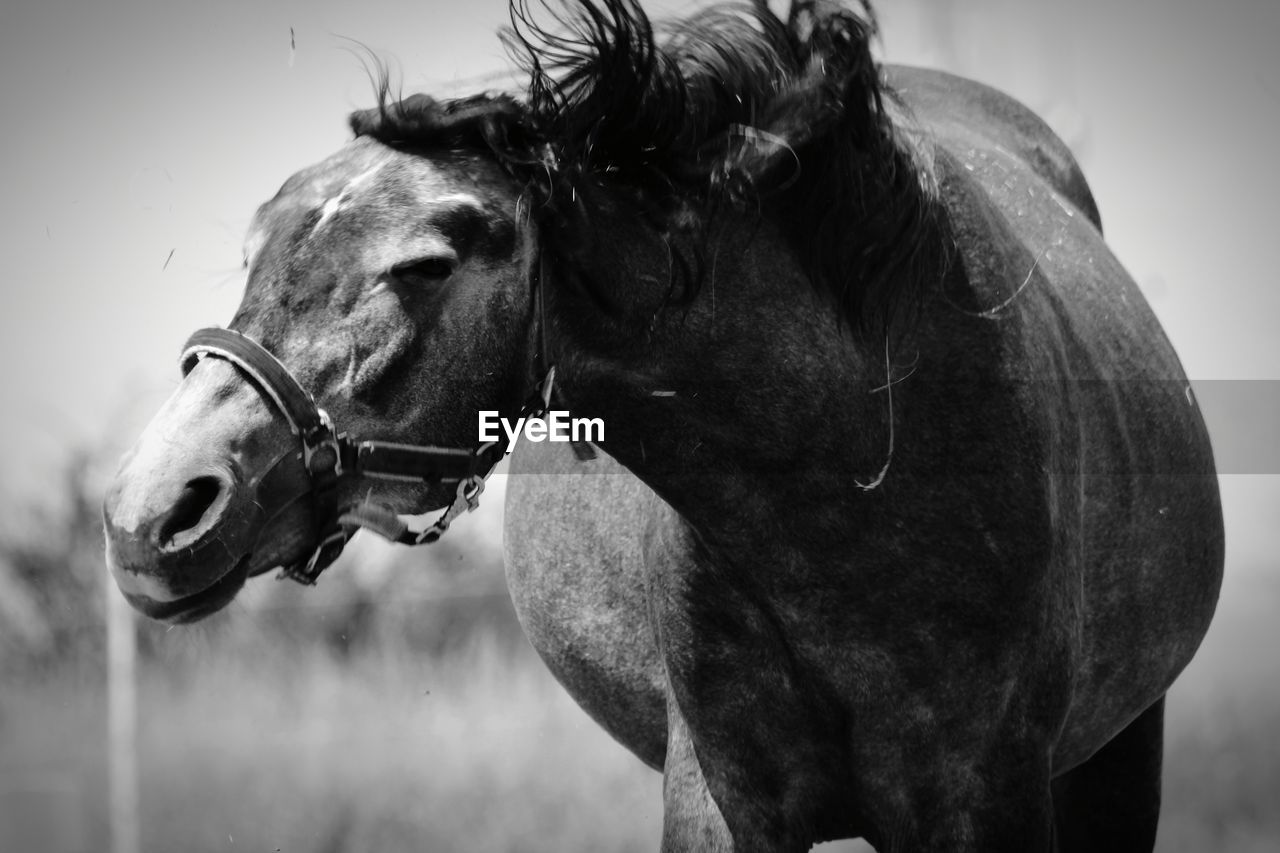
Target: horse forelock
[[726, 106]]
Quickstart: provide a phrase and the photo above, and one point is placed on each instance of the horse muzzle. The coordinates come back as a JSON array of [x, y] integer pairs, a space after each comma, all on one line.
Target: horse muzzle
[[192, 502], [212, 493]]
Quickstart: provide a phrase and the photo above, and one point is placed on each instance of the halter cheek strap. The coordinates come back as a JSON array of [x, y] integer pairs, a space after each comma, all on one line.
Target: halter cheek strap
[[328, 455]]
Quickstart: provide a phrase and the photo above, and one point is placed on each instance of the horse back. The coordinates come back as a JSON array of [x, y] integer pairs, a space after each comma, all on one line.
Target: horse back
[[970, 113]]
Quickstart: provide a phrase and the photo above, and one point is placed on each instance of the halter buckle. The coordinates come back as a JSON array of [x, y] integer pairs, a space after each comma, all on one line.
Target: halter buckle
[[316, 442], [470, 490], [321, 558]]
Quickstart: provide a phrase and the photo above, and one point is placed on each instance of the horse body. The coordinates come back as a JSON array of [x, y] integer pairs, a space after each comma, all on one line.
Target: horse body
[[919, 569], [1066, 567]]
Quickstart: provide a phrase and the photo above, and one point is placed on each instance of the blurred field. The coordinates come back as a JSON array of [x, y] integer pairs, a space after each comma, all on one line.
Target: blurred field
[[298, 749], [397, 707], [312, 753], [1222, 746]]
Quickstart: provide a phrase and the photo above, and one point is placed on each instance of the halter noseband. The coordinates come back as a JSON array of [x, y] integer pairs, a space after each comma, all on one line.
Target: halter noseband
[[329, 455]]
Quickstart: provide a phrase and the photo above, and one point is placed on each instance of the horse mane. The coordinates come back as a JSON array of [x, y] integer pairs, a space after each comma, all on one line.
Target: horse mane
[[728, 106]]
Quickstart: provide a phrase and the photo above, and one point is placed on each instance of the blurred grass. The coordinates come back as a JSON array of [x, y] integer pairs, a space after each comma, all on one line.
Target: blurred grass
[[1222, 727], [293, 748], [482, 751], [398, 708]]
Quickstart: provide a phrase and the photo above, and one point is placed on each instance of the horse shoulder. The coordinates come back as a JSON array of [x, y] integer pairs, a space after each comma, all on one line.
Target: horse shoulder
[[577, 539]]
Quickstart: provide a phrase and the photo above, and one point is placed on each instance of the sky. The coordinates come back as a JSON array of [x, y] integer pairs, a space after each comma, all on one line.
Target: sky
[[140, 136]]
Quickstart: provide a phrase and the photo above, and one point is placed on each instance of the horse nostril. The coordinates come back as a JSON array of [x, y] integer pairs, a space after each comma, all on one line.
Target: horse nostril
[[189, 510]]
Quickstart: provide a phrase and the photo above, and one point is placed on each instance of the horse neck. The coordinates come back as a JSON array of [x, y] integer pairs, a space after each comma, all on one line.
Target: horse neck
[[751, 409]]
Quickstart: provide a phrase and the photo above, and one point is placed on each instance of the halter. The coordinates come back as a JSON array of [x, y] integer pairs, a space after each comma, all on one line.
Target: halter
[[329, 455]]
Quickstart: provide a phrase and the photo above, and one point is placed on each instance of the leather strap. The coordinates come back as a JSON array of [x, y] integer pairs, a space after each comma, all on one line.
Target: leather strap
[[271, 377], [328, 456]]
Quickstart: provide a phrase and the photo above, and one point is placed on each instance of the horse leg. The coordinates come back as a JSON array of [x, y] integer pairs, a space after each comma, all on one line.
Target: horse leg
[[730, 820], [691, 820], [1016, 816], [1012, 813], [1111, 803]]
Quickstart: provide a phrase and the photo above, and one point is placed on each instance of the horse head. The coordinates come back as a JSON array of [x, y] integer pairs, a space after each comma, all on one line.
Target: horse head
[[394, 282], [369, 277]]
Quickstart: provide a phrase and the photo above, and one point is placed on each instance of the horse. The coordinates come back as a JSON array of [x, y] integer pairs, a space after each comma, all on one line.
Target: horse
[[904, 518]]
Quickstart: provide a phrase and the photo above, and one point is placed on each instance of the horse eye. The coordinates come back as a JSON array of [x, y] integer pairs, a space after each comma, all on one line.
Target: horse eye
[[424, 270]]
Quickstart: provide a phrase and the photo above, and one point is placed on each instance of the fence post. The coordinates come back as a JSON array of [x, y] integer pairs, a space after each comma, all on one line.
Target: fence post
[[122, 721]]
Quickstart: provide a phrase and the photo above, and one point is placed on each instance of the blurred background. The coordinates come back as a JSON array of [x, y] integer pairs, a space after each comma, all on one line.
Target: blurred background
[[397, 706]]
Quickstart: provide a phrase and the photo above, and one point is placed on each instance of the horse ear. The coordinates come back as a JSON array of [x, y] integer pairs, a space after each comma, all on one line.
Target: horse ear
[[806, 16], [839, 85], [496, 121], [415, 117], [367, 122]]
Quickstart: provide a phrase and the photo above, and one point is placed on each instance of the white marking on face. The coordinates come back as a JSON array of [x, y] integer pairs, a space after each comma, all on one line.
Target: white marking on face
[[451, 197], [329, 208], [333, 205], [252, 245]]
